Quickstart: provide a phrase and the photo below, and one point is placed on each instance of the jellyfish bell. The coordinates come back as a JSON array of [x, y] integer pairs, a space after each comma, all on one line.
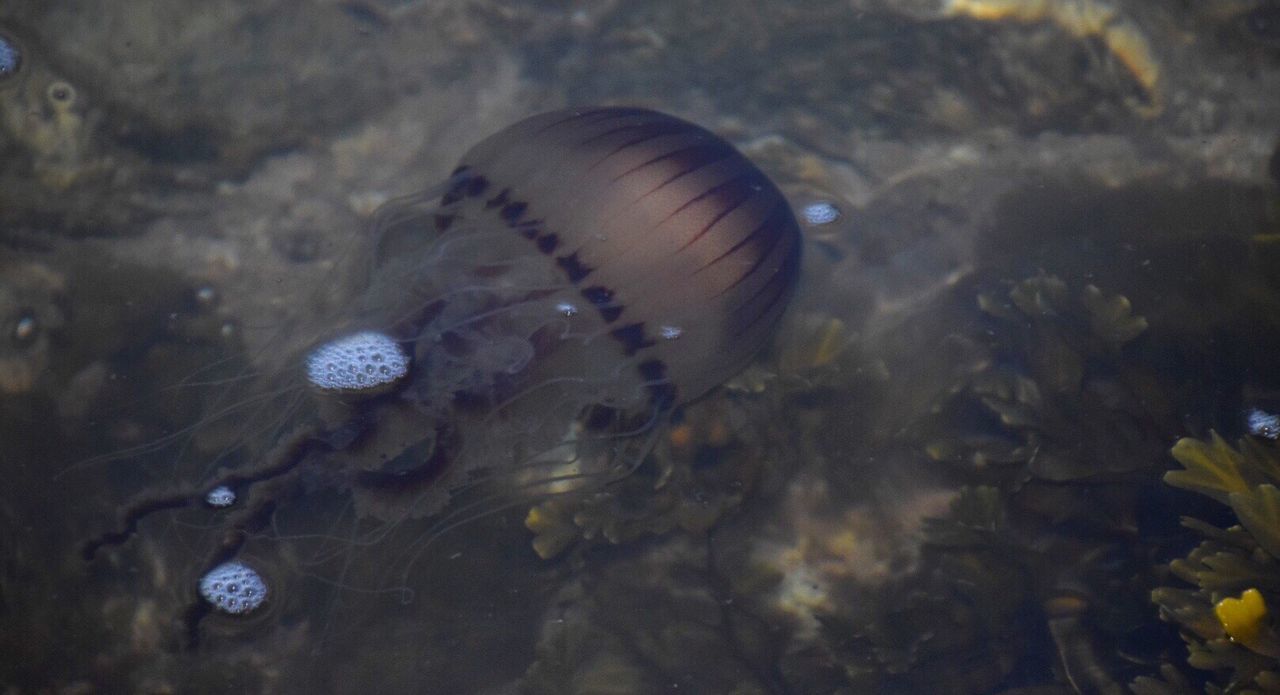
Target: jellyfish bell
[[581, 274]]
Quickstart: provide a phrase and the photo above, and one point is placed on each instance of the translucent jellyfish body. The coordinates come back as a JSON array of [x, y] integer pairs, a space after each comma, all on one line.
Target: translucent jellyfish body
[[233, 587], [538, 316]]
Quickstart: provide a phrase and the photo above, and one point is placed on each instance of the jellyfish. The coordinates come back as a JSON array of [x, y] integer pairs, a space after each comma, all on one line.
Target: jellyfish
[[527, 328]]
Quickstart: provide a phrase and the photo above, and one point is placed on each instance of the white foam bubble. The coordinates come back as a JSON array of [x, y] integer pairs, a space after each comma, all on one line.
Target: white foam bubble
[[358, 362], [221, 496], [233, 587], [1263, 424], [821, 212]]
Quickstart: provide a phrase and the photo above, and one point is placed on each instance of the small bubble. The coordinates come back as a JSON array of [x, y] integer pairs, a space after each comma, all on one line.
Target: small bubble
[[10, 57], [820, 212], [1263, 424], [61, 93], [221, 496], [206, 296], [567, 309], [24, 331]]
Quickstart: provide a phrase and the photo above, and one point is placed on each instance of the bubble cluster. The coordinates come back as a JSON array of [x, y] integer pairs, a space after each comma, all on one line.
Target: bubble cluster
[[10, 57], [357, 362], [233, 587], [821, 212], [221, 496], [1263, 424]]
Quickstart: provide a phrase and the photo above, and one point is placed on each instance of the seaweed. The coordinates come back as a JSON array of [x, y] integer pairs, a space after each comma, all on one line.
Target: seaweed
[[1064, 402], [702, 471], [718, 454], [1226, 619], [1053, 427]]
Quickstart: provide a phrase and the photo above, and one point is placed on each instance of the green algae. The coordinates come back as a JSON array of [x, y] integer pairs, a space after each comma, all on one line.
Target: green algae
[[1244, 655]]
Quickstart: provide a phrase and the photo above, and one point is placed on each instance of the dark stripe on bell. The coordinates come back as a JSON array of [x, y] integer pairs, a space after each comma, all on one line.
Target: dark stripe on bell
[[503, 197], [776, 289], [511, 212], [455, 192], [724, 191], [443, 222], [476, 186], [595, 115], [548, 243], [636, 134], [765, 233], [576, 270], [602, 298], [731, 195], [764, 247], [686, 159], [597, 295], [782, 279], [632, 338]]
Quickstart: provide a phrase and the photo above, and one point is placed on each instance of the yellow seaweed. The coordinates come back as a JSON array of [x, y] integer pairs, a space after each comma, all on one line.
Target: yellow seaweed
[[1112, 317], [1259, 512], [1211, 468], [1242, 617], [1082, 19]]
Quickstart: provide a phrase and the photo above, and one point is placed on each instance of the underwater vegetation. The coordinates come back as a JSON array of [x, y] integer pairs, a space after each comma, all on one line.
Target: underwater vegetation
[[526, 332], [1097, 20], [1028, 570], [1054, 378], [1043, 427], [1226, 618], [1048, 430], [57, 164]]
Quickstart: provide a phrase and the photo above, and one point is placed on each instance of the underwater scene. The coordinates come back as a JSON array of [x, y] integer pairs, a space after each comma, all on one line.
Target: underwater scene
[[593, 347]]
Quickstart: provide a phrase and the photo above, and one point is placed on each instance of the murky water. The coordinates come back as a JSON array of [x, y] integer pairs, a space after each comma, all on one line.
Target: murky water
[[1039, 250]]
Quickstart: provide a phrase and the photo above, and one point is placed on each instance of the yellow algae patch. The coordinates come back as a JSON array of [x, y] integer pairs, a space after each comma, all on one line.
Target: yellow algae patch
[[996, 10], [552, 533], [1242, 617], [1083, 19]]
